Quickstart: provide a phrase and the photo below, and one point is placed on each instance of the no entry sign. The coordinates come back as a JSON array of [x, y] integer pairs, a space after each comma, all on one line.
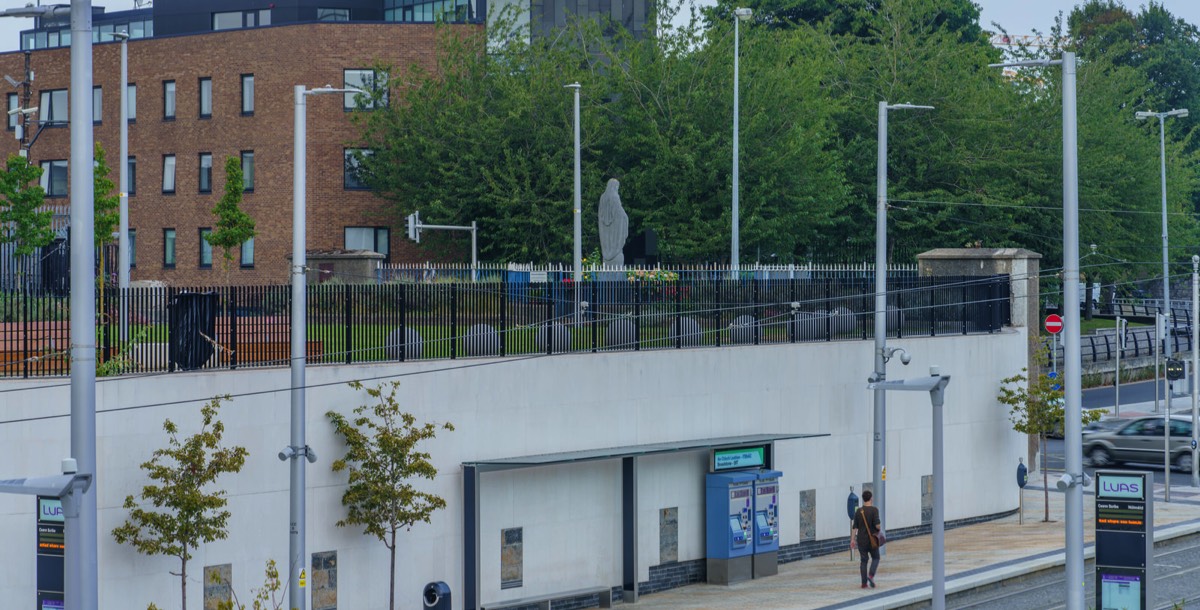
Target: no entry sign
[[1054, 324]]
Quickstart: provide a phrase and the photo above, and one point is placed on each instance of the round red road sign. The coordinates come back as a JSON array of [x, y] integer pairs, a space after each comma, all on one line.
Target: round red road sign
[[1054, 324]]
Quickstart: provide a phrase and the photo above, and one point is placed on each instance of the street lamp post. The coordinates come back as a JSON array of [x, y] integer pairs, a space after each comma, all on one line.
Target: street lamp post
[[1195, 369], [935, 384], [298, 450], [740, 14], [1072, 425], [578, 249], [882, 355], [1162, 145], [123, 258]]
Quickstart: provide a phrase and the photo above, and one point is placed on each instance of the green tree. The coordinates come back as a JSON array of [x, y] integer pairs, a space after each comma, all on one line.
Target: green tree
[[234, 225], [181, 510], [1036, 408], [381, 459], [26, 224], [106, 206]]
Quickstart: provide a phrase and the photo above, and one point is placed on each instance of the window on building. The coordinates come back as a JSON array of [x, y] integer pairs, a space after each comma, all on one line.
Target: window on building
[[205, 248], [53, 107], [132, 176], [248, 171], [372, 82], [247, 94], [205, 172], [232, 20], [451, 11], [374, 239], [248, 253], [14, 118], [352, 170], [168, 183], [131, 90], [133, 247], [169, 248], [333, 14], [97, 105], [169, 100], [205, 98], [54, 178]]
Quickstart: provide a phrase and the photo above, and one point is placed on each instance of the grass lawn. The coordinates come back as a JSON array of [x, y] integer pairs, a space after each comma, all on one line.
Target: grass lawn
[[1090, 326]]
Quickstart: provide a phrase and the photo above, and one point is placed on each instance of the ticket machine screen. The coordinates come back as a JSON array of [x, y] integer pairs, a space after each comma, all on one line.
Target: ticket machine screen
[[766, 517], [739, 515]]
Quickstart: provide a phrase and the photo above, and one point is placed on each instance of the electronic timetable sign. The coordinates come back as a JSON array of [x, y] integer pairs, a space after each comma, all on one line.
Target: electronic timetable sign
[[740, 458], [51, 548], [1124, 538]]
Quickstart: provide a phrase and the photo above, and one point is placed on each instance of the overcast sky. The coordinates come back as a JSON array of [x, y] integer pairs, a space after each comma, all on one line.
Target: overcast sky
[[1017, 16]]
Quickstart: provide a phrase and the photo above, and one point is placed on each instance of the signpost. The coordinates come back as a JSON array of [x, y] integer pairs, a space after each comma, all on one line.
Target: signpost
[[1054, 325], [50, 554], [1124, 538]]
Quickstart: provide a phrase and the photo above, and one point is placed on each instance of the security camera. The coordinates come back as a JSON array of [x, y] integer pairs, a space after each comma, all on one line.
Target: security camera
[[286, 454], [1064, 482], [12, 81], [310, 455], [905, 358]]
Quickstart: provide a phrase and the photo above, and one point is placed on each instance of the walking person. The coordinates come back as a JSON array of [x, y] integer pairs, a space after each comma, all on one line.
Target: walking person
[[864, 535]]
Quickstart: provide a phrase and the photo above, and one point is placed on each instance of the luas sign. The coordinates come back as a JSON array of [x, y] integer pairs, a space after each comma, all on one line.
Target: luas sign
[[1124, 487]]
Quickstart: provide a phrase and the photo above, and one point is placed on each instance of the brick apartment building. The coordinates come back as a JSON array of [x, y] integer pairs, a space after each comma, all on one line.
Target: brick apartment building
[[201, 94], [213, 78]]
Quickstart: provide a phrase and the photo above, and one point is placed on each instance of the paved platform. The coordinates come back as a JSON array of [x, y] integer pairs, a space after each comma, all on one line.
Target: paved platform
[[976, 555]]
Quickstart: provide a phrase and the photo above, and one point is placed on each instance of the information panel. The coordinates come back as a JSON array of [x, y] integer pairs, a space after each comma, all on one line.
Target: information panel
[[738, 459], [1124, 539], [51, 548]]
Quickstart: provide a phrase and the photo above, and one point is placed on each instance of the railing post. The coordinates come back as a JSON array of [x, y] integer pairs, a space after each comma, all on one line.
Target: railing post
[[453, 320], [829, 309], [549, 325], [25, 355], [754, 295], [503, 312], [795, 311], [348, 308], [170, 306], [637, 315], [962, 281], [931, 289], [403, 322], [592, 312], [717, 310], [233, 328], [679, 315]]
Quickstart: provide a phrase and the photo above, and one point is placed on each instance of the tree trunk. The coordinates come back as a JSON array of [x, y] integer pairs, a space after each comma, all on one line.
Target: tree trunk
[[392, 574], [1045, 483], [183, 583]]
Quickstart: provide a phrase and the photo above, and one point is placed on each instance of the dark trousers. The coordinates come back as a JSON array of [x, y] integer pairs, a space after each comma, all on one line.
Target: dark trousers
[[863, 554]]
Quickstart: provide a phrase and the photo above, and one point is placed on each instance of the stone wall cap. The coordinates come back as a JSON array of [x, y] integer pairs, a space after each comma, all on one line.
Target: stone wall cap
[[978, 253]]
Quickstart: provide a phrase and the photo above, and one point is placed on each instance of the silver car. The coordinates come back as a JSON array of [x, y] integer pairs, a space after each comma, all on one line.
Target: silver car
[[1140, 440]]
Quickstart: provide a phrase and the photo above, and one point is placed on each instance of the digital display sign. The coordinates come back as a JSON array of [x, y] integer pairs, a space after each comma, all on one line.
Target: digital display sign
[[1121, 516], [1124, 540], [736, 459], [1120, 591], [50, 552]]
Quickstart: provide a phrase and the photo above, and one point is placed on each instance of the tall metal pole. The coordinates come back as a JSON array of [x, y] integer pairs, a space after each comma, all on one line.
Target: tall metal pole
[[81, 566], [1117, 377], [1162, 147], [734, 244], [879, 445], [1195, 368], [578, 276], [937, 397], [297, 562], [123, 258], [1072, 357]]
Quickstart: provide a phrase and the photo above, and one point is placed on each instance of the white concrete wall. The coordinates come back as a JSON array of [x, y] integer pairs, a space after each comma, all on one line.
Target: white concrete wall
[[570, 514]]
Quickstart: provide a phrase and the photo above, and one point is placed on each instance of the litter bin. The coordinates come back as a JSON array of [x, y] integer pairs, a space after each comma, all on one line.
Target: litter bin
[[193, 320], [437, 596]]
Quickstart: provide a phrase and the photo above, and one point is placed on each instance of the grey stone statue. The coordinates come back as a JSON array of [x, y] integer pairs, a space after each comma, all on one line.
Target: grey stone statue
[[614, 226]]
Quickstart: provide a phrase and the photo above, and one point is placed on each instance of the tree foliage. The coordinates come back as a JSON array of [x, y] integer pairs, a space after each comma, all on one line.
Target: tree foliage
[[106, 202], [179, 510], [1036, 409], [234, 226], [486, 133], [382, 459], [26, 223]]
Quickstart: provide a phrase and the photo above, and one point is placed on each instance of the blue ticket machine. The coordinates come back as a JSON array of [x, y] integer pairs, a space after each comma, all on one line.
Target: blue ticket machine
[[729, 508], [766, 523]]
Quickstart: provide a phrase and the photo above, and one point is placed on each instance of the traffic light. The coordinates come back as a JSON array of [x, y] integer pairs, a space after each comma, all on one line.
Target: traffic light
[[414, 226]]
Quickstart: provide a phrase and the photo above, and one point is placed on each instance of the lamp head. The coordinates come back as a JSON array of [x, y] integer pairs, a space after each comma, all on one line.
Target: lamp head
[[1143, 115], [743, 13], [122, 36], [1181, 112]]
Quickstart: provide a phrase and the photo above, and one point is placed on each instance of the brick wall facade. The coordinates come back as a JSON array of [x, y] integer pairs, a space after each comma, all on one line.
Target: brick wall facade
[[279, 57]]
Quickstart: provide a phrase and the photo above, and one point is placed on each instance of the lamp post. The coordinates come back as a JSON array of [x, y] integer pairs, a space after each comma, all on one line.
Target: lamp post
[[1072, 426], [740, 14], [298, 447], [882, 355], [935, 384], [123, 259], [578, 250], [1195, 369], [1162, 146]]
